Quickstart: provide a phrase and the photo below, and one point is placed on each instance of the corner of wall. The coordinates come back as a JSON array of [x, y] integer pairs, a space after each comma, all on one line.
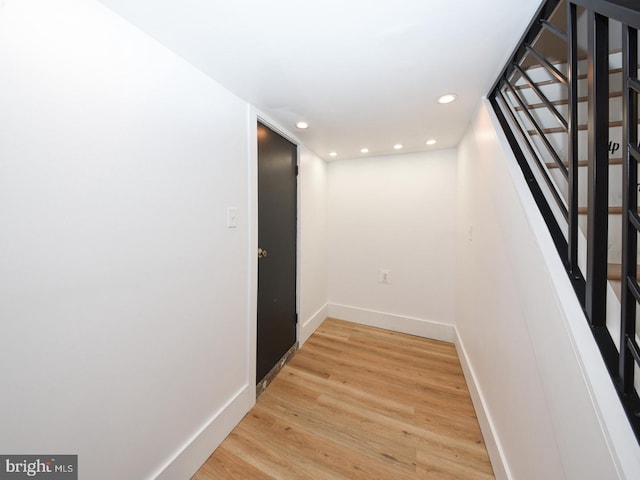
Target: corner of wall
[[397, 323], [492, 442], [197, 449], [307, 327]]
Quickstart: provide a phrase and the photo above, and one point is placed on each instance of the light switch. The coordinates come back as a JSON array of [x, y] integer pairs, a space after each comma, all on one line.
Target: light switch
[[232, 217], [384, 275]]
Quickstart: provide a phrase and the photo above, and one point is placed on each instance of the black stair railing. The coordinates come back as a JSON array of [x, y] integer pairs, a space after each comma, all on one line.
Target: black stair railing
[[568, 91]]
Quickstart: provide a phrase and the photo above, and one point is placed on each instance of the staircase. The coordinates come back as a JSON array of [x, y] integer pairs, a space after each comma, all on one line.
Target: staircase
[[557, 137], [568, 102]]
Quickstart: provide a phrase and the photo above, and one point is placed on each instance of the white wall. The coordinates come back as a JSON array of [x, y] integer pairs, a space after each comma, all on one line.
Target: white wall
[[395, 213], [545, 401], [123, 297], [312, 217], [126, 314]]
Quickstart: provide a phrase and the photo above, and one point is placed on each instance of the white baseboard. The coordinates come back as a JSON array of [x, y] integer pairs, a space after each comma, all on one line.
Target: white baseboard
[[388, 321], [492, 442], [310, 325], [196, 451]]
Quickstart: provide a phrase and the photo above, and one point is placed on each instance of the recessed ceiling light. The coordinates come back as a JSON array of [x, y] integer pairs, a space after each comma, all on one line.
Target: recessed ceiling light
[[448, 98], [431, 142], [364, 150], [333, 154], [302, 125], [397, 146]]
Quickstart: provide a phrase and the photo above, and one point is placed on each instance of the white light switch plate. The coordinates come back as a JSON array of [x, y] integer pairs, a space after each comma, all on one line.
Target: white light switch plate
[[232, 217], [384, 276]]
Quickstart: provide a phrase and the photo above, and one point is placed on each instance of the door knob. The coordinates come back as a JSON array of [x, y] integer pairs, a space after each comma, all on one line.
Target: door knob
[[262, 253]]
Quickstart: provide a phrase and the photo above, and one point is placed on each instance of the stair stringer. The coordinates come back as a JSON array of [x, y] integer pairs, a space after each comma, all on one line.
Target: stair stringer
[[557, 332]]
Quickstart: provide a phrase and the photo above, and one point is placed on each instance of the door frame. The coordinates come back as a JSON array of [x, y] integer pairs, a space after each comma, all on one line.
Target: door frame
[[254, 116]]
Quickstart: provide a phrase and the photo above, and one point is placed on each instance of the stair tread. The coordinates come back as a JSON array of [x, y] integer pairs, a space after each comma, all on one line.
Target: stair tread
[[584, 163], [581, 76], [614, 272], [615, 210], [547, 131], [557, 103]]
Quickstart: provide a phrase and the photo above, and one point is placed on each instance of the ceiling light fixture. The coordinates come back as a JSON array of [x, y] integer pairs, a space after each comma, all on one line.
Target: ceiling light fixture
[[431, 142], [333, 154], [397, 146], [448, 98], [302, 125], [364, 150]]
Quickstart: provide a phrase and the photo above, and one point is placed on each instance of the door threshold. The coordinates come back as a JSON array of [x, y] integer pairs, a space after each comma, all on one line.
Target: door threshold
[[268, 378]]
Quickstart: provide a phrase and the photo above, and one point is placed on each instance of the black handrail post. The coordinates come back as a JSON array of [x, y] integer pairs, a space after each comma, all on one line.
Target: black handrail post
[[598, 165], [572, 137], [629, 205]]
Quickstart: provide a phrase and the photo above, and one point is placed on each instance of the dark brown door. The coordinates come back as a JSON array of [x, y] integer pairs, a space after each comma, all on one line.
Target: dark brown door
[[277, 212]]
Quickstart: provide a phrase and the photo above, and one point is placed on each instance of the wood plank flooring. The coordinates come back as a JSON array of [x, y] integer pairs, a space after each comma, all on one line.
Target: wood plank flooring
[[359, 403]]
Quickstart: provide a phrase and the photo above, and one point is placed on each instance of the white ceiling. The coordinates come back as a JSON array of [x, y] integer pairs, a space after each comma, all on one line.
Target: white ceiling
[[362, 73]]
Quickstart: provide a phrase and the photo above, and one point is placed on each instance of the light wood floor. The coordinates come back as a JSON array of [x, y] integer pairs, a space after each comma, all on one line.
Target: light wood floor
[[359, 403]]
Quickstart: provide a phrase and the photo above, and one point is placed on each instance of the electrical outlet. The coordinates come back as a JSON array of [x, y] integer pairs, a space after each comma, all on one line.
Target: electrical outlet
[[384, 275]]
